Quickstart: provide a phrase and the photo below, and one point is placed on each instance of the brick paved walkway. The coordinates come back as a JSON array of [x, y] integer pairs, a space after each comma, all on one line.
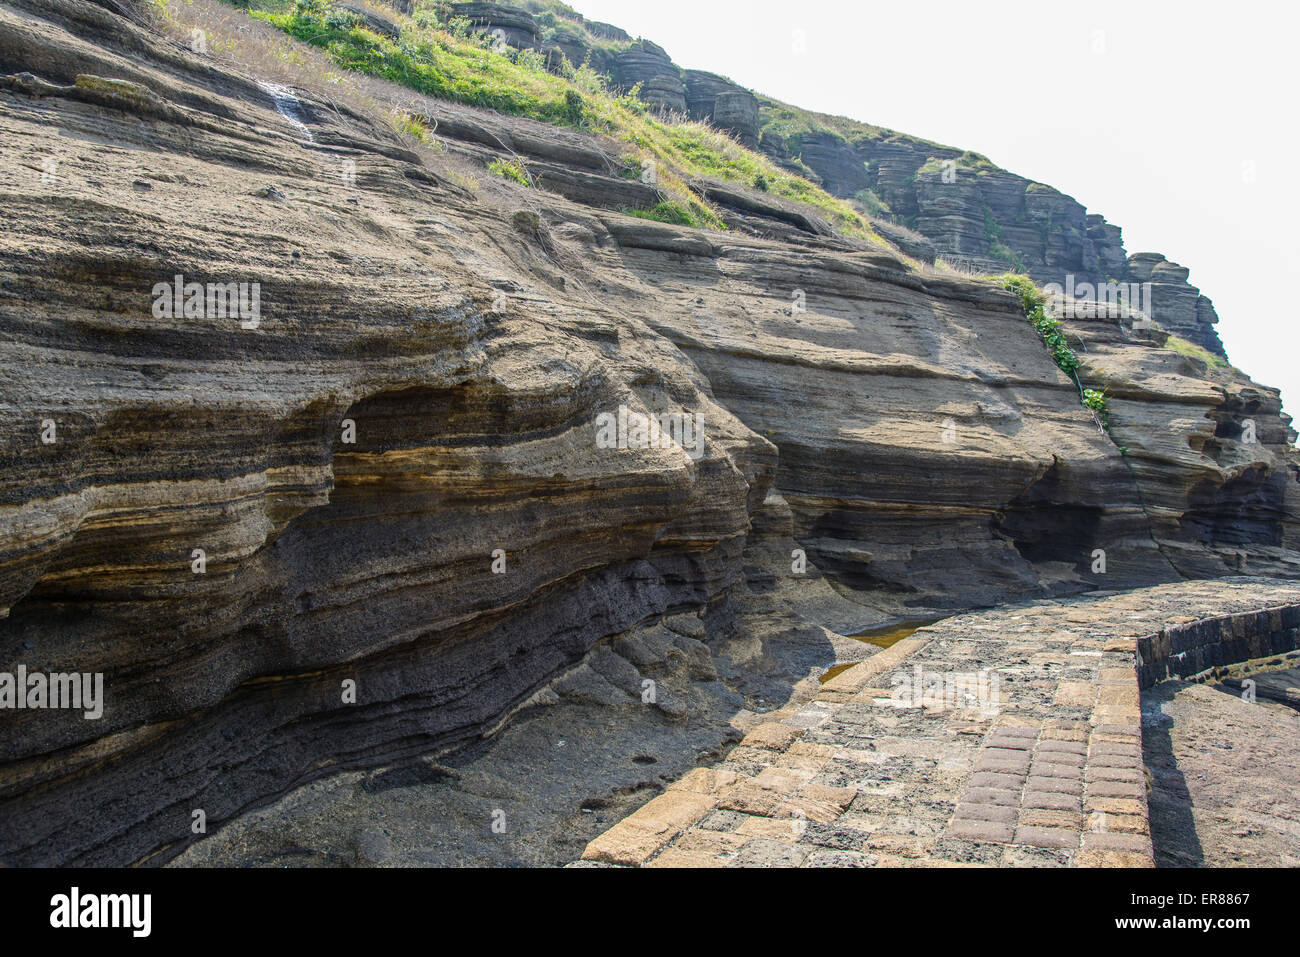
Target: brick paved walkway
[[864, 775]]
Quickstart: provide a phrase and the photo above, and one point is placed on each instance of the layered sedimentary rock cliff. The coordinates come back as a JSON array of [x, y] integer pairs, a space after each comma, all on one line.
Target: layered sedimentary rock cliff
[[368, 510], [951, 203], [989, 219]]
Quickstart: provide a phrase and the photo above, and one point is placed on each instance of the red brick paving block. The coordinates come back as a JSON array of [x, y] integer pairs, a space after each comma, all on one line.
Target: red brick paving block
[[1064, 747], [715, 842], [1133, 843], [809, 749], [1058, 837], [769, 827], [1003, 762], [1131, 775], [706, 780], [1112, 859], [751, 799], [675, 857], [1043, 769], [1119, 675], [1075, 694], [1039, 817], [1119, 789], [988, 832], [1119, 696], [1015, 739], [786, 780], [1055, 785], [1117, 733], [1064, 758], [772, 736], [1113, 805], [1007, 797], [1017, 731], [1052, 801], [1114, 761], [988, 779], [635, 839], [986, 812], [1005, 754], [1123, 824], [1127, 748], [1058, 729], [810, 809]]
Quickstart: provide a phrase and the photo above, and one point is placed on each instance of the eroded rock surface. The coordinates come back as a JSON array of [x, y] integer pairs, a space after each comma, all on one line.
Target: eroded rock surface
[[390, 475]]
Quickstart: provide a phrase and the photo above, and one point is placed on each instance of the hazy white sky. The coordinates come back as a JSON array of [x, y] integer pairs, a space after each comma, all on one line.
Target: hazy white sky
[[1175, 121]]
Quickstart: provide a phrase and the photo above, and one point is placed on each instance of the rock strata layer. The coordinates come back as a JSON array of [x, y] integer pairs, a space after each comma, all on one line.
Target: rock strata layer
[[363, 509]]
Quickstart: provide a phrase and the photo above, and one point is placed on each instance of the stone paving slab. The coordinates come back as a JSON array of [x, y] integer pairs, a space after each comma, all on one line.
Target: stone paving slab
[[1003, 738]]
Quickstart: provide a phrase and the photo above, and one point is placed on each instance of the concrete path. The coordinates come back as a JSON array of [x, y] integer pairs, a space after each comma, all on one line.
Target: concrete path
[[1004, 738]]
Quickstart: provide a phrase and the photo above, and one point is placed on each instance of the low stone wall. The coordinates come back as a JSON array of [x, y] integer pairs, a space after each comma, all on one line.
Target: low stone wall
[[1189, 648]]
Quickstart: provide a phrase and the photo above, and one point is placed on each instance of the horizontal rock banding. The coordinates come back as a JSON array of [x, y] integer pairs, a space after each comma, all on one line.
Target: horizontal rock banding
[[422, 391]]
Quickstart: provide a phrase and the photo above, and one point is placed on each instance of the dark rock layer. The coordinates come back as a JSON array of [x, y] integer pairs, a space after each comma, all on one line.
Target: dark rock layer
[[418, 401]]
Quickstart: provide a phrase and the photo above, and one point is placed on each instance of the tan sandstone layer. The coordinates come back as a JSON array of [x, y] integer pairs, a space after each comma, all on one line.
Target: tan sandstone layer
[[908, 431]]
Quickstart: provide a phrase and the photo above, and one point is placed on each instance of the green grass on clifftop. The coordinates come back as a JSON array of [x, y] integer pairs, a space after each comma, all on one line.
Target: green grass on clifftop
[[442, 59], [792, 124], [1183, 347]]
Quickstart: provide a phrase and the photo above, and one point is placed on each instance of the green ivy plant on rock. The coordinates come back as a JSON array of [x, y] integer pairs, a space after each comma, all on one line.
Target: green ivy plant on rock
[[1097, 402], [1049, 330], [1034, 304]]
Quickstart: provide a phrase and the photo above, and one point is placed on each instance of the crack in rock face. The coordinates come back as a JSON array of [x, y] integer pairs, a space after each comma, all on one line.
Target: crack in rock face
[[305, 453]]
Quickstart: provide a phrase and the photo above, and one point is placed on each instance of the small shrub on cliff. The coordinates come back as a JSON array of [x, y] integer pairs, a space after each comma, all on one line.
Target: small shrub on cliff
[[412, 125], [872, 203], [534, 62], [672, 213], [512, 170], [459, 27], [1034, 304], [575, 106], [337, 19], [1097, 401], [426, 18]]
